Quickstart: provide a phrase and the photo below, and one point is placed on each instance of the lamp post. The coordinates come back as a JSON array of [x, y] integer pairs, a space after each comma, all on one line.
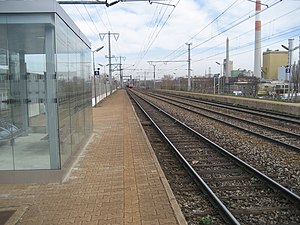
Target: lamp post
[[95, 72]]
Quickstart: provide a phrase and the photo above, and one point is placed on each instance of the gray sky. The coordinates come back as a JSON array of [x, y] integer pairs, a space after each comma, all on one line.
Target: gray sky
[[160, 32]]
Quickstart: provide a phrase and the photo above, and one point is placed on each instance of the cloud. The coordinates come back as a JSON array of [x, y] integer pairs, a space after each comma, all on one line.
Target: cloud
[[143, 38]]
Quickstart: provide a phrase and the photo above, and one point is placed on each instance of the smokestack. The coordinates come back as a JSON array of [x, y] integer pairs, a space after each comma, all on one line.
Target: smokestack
[[257, 48]]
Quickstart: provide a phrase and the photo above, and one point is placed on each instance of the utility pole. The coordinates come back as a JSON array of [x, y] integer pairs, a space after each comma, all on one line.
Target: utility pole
[[109, 64], [290, 50], [298, 75], [154, 76], [116, 36], [290, 57], [121, 76], [189, 66], [166, 61], [145, 79]]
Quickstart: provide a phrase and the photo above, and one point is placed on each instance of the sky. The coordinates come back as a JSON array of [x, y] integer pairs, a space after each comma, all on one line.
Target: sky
[[161, 31]]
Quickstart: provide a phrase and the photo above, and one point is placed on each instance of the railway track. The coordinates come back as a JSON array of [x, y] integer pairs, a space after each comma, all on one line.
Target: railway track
[[193, 203], [260, 113], [272, 158], [281, 136], [242, 194]]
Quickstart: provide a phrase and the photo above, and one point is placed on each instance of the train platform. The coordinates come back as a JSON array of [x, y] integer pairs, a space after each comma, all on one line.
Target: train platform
[[116, 180]]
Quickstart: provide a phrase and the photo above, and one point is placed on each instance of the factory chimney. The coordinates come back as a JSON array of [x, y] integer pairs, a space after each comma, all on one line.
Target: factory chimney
[[257, 46], [227, 60]]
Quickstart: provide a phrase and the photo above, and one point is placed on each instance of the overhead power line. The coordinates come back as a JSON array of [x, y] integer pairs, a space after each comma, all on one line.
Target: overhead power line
[[231, 26], [93, 30], [155, 37], [290, 31], [109, 4], [263, 39], [195, 35]]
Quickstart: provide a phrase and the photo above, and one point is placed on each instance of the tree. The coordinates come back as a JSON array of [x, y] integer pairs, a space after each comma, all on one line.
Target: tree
[[167, 81]]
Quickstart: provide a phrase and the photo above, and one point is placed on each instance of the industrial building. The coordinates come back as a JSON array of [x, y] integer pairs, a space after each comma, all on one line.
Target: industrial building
[[272, 61], [45, 90], [230, 67]]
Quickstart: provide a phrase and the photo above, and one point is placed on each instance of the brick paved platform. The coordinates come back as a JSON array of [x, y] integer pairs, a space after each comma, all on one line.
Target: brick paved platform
[[117, 180]]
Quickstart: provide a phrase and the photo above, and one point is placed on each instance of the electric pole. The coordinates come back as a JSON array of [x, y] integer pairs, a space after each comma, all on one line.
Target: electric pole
[[189, 66], [298, 76], [121, 76], [145, 79], [154, 76], [116, 36], [290, 49]]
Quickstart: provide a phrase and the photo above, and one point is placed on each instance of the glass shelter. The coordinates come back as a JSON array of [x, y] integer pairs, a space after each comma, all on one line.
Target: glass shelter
[[45, 86]]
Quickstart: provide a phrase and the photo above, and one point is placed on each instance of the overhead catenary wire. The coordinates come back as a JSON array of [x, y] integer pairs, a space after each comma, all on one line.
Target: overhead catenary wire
[[232, 25], [292, 32], [199, 32], [145, 40], [273, 3], [91, 18], [100, 17], [152, 36], [85, 20], [249, 44], [153, 40], [96, 27], [181, 51], [245, 33]]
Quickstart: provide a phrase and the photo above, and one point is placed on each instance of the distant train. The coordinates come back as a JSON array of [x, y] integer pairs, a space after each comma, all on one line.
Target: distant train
[[130, 85]]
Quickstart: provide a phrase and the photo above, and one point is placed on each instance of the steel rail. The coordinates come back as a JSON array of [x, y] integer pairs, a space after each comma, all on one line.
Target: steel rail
[[293, 147], [272, 115], [273, 184], [225, 213], [233, 117]]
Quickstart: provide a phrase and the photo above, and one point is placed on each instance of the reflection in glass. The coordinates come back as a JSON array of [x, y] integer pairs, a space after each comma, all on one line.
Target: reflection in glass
[[74, 90], [36, 92], [23, 97]]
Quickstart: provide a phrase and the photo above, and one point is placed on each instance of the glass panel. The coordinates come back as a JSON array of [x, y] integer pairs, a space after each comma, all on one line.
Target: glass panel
[[22, 91], [87, 91], [27, 66], [74, 90], [6, 127], [63, 89], [28, 87]]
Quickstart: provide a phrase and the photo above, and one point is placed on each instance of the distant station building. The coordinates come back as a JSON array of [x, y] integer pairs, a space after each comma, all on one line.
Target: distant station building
[[45, 91], [272, 62]]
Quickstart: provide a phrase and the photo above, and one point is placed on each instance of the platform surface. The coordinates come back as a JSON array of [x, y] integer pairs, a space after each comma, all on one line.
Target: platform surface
[[116, 180]]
